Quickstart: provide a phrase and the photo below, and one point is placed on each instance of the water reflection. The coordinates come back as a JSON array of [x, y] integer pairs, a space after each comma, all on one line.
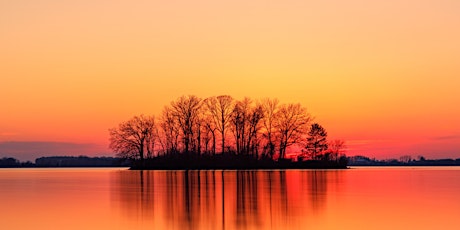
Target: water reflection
[[366, 198], [222, 199]]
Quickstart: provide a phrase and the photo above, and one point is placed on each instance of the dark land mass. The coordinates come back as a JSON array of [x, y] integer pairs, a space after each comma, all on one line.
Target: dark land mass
[[218, 161], [366, 161], [65, 161], [231, 161], [177, 162]]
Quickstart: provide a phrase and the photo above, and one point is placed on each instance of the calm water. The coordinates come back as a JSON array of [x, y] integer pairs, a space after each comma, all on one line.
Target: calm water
[[360, 198]]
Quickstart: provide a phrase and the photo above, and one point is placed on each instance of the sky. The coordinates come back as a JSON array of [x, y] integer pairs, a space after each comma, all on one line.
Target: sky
[[382, 75]]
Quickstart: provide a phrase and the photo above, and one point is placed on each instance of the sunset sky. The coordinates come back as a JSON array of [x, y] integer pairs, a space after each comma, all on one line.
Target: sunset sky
[[383, 75]]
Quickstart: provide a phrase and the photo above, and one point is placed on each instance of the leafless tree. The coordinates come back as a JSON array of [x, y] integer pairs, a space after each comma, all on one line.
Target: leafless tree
[[200, 133], [239, 120], [336, 148], [171, 131], [405, 158], [246, 125], [206, 136], [291, 123], [186, 110], [221, 108], [134, 138], [269, 108], [209, 132], [254, 122]]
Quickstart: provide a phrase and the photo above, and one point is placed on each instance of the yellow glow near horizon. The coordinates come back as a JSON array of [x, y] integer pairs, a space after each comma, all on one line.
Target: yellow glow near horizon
[[368, 71]]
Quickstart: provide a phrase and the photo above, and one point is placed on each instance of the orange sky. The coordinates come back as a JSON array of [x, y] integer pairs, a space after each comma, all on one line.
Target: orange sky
[[383, 75]]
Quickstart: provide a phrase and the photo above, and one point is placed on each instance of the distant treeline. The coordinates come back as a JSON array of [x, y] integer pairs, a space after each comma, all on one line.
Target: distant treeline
[[224, 161], [9, 162], [65, 161], [402, 161]]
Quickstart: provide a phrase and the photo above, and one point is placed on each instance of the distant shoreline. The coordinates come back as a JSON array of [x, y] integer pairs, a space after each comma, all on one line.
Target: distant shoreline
[[366, 161], [216, 162], [214, 168]]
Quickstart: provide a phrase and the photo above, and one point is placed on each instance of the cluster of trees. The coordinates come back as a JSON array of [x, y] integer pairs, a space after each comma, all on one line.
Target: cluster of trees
[[191, 125]]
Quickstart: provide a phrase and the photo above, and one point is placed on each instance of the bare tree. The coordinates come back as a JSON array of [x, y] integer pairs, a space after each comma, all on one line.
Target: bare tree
[[152, 139], [254, 123], [405, 158], [186, 110], [239, 120], [220, 108], [246, 125], [209, 128], [171, 131], [336, 148], [134, 138], [206, 136], [269, 108], [291, 124], [200, 133]]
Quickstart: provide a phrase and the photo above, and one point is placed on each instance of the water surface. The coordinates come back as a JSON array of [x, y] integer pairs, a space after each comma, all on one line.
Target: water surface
[[114, 198]]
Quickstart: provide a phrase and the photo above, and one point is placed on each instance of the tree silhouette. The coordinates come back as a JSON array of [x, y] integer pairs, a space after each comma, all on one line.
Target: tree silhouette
[[291, 122], [170, 130], [245, 122], [336, 148], [186, 111], [134, 138], [221, 108], [209, 128], [269, 108], [316, 141]]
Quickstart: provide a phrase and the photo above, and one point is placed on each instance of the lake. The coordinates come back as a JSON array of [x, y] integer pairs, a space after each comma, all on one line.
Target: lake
[[116, 198]]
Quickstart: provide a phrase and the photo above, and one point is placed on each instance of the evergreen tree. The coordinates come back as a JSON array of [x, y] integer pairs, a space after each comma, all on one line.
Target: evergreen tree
[[316, 141]]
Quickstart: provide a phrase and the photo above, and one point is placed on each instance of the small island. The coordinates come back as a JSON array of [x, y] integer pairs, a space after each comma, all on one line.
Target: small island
[[221, 132]]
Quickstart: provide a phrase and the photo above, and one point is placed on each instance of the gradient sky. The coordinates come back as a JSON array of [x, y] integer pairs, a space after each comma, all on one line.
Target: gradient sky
[[383, 75]]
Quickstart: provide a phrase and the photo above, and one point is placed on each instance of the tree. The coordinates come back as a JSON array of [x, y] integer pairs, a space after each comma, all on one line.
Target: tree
[[269, 108], [405, 158], [291, 121], [209, 128], [221, 108], [239, 120], [171, 131], [336, 148], [186, 111], [255, 116], [134, 138], [245, 121], [316, 141]]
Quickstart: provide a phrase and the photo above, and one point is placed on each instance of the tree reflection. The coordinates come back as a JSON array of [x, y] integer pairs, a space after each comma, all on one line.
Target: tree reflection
[[222, 199], [318, 189]]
